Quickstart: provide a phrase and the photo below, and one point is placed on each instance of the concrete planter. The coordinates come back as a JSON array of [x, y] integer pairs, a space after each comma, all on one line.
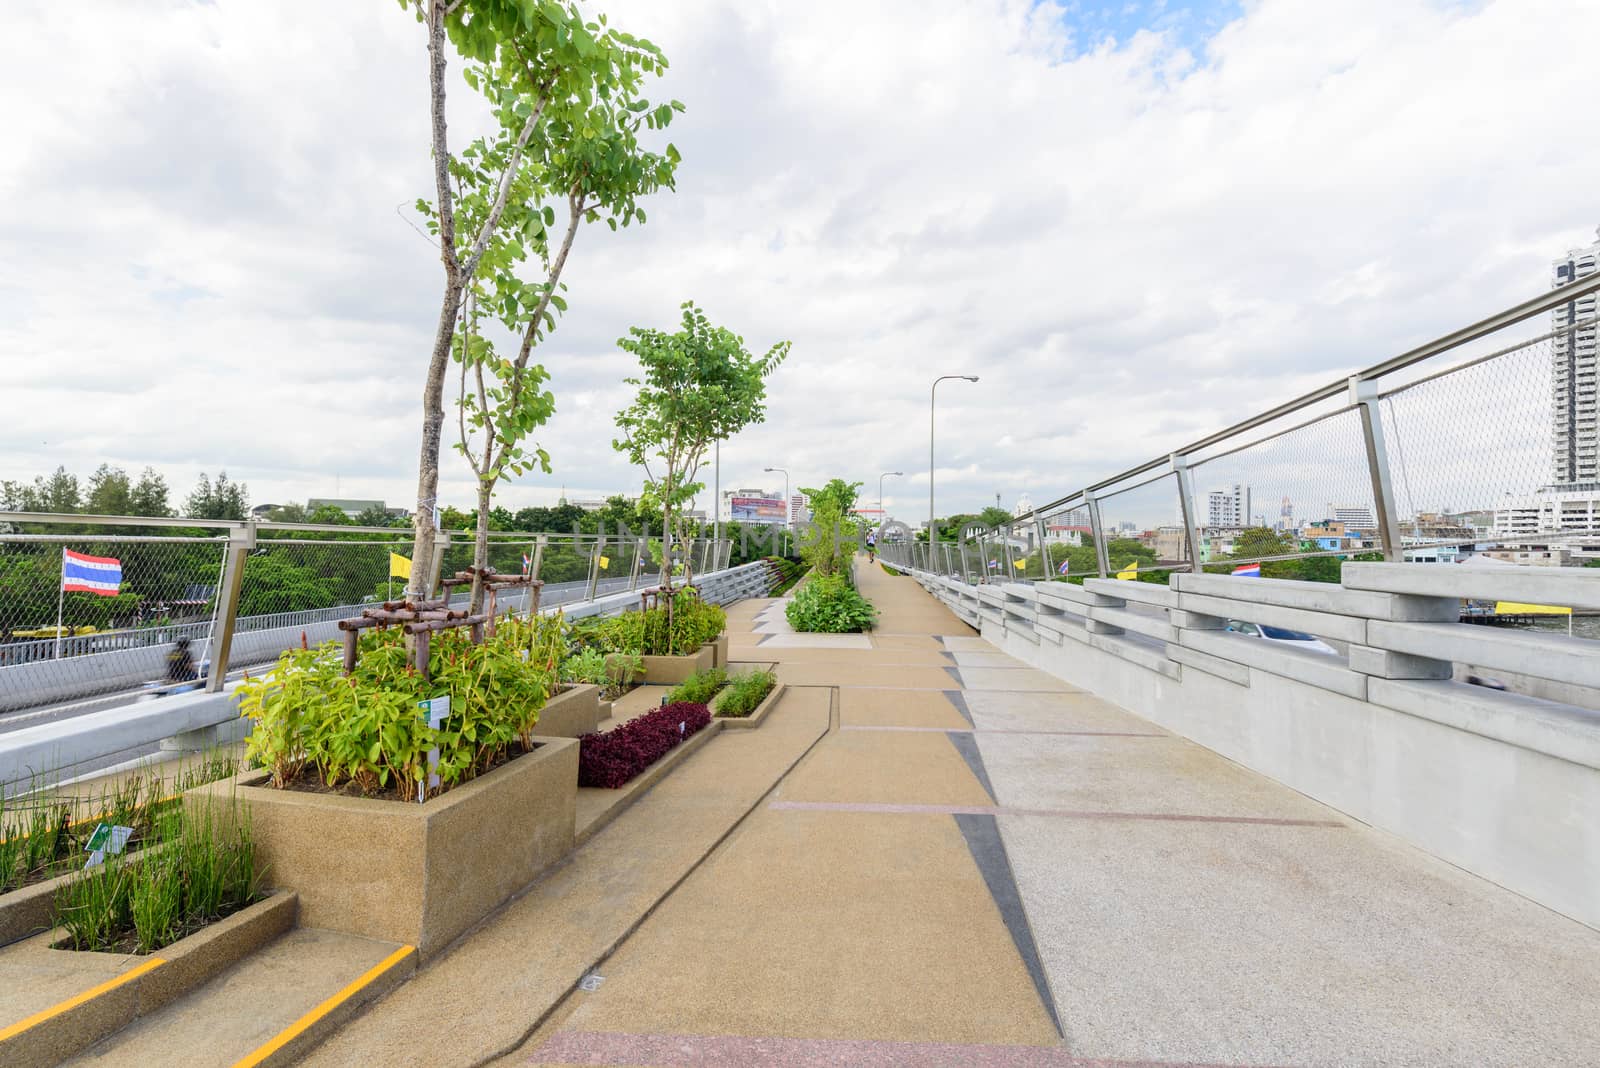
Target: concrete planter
[[410, 873], [719, 650], [671, 670], [757, 714], [165, 976], [572, 712]]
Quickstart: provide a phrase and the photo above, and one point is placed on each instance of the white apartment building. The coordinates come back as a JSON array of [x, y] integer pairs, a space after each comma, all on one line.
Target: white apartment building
[[1228, 508], [1353, 516], [1573, 392], [1574, 511]]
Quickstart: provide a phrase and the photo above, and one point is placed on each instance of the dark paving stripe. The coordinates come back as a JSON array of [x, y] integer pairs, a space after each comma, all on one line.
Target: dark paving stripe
[[1005, 730], [955, 698], [887, 808], [989, 853], [967, 746], [750, 1051]]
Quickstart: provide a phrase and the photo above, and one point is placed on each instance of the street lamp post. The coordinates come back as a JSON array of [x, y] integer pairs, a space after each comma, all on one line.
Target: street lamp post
[[881, 477], [786, 510], [931, 395]]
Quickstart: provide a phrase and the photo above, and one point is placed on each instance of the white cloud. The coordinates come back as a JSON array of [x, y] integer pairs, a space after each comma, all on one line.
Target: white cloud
[[201, 265]]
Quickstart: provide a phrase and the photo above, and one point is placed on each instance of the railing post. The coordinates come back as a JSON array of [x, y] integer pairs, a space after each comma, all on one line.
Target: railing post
[[594, 565], [1043, 533], [640, 550], [1364, 394], [241, 540], [1191, 530], [538, 555], [966, 569], [1102, 558]]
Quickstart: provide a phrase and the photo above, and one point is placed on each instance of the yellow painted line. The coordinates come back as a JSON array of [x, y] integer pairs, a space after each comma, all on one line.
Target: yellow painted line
[[88, 995], [300, 1026]]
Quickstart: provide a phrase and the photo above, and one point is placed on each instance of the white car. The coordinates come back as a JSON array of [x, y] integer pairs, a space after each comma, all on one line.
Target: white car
[[1282, 636]]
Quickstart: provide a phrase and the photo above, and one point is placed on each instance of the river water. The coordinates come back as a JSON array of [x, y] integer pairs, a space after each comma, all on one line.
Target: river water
[[1582, 626]]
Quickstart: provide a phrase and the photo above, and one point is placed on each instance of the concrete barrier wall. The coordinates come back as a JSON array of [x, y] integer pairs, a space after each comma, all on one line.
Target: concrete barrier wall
[[1502, 784]]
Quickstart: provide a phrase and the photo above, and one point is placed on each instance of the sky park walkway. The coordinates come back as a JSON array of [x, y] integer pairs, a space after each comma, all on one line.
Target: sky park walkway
[[930, 853]]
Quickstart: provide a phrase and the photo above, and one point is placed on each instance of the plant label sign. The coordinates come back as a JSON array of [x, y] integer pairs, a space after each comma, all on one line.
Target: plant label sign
[[435, 710], [107, 838]]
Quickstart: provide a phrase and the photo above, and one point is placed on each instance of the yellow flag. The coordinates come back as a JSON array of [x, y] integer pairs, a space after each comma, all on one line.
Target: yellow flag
[[605, 562], [399, 566], [1020, 565], [1131, 572], [1517, 608]]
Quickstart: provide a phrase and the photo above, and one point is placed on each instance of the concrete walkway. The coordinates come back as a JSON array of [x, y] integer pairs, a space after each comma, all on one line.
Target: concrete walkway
[[979, 865]]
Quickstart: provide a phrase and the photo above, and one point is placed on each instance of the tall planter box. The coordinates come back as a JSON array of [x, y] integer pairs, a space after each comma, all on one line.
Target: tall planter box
[[719, 650], [571, 713], [410, 873], [671, 670]]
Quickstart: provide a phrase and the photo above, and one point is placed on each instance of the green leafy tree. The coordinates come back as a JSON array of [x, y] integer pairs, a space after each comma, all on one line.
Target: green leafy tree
[[109, 492], [565, 92], [221, 499], [994, 516], [700, 385], [58, 493], [1256, 542], [148, 497], [832, 527]]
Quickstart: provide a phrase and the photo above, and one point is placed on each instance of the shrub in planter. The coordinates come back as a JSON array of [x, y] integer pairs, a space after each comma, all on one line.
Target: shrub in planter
[[613, 672], [364, 730], [611, 759], [828, 604], [745, 692], [698, 688]]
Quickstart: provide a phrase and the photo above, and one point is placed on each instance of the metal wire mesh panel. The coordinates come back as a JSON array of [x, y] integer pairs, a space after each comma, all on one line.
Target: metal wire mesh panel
[[1488, 449], [1143, 529], [85, 615], [1314, 474]]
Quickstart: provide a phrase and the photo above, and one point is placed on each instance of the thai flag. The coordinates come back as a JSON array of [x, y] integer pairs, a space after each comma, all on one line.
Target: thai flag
[[527, 565], [82, 573], [1248, 570], [1065, 564]]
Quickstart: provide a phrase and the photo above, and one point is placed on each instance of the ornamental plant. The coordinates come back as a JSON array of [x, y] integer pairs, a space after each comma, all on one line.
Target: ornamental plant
[[613, 758], [745, 693], [828, 604], [365, 731]]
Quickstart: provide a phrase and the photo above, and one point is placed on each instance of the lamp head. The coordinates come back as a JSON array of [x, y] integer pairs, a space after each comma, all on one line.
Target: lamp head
[[970, 378]]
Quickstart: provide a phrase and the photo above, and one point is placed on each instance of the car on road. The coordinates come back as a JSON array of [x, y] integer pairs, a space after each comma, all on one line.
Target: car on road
[[1282, 636]]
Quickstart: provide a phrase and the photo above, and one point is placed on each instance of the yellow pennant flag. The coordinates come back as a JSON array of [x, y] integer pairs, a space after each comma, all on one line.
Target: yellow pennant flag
[[605, 562], [399, 566], [1131, 572], [1020, 565]]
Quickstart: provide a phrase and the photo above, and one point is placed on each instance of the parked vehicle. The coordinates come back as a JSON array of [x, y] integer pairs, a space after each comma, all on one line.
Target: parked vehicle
[[1282, 636]]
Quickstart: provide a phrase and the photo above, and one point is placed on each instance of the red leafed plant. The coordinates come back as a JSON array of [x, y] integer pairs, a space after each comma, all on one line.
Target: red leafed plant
[[611, 759]]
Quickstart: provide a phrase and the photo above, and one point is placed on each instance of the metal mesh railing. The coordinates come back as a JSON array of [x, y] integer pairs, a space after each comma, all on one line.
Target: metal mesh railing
[[165, 595], [1486, 441], [105, 609]]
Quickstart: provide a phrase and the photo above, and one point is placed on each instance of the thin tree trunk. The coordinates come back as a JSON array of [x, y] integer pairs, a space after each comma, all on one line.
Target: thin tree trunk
[[480, 550], [422, 550]]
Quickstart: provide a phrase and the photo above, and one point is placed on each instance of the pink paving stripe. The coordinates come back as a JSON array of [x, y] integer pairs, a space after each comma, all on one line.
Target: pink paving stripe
[[738, 1051], [1061, 813], [1002, 730]]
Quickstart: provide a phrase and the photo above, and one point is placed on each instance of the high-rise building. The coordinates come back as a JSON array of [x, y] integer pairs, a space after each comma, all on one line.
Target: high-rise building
[[1228, 508], [799, 508], [1573, 391]]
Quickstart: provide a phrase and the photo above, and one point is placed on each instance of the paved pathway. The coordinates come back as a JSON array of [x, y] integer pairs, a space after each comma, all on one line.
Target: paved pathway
[[979, 865]]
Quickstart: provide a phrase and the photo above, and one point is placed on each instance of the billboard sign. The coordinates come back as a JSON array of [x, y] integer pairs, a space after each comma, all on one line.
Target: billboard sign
[[758, 510]]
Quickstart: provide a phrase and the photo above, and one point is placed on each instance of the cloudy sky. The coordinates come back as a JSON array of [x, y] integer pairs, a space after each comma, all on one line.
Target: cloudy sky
[[1136, 222]]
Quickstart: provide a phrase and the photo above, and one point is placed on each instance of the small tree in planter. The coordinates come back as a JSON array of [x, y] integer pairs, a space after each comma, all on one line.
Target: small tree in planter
[[599, 171], [559, 85], [699, 385]]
